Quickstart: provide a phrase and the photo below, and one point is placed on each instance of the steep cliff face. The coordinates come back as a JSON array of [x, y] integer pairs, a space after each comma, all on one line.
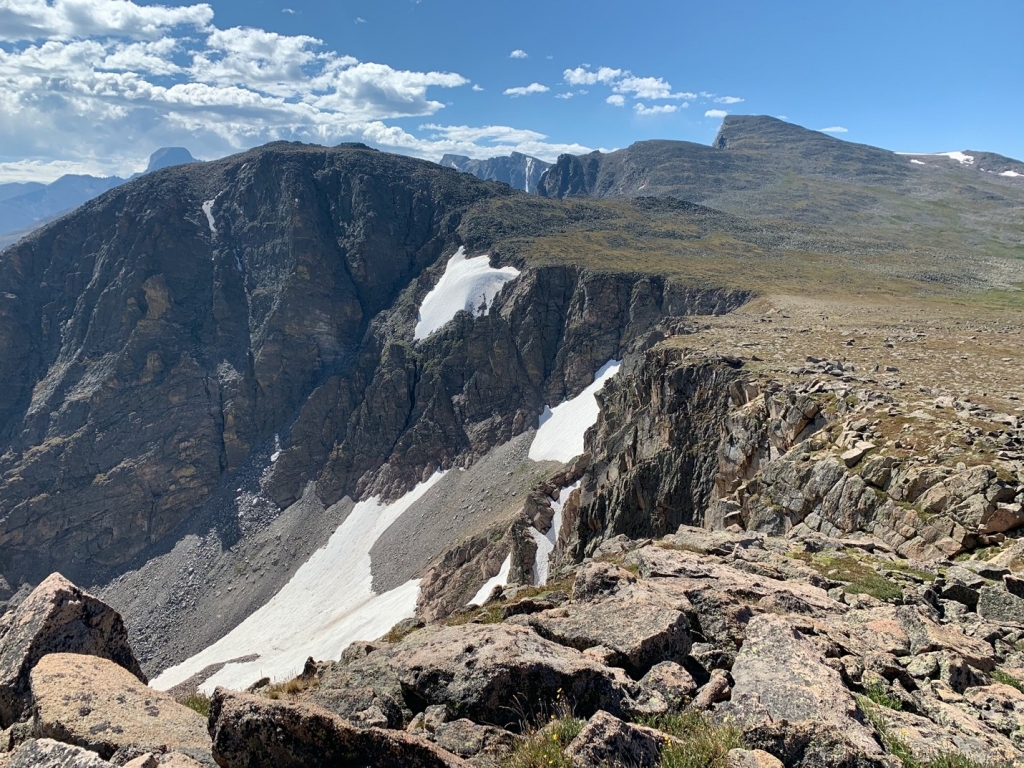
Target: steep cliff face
[[151, 342]]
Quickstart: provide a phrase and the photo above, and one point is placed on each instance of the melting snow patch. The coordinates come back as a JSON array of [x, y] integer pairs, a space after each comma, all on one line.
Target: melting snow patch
[[328, 604], [960, 157], [561, 431], [469, 284], [1011, 174], [208, 210], [546, 541], [498, 581], [918, 162]]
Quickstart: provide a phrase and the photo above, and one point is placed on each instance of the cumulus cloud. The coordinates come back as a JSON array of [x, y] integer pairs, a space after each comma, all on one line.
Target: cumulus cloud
[[616, 100], [659, 109], [835, 129], [526, 90], [728, 100], [477, 87], [519, 53], [93, 86], [566, 95], [65, 19], [716, 113], [624, 82]]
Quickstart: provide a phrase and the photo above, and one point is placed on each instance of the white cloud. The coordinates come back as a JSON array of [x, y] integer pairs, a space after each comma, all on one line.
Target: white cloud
[[526, 90], [583, 75], [616, 100], [519, 53], [728, 100], [288, 10], [477, 87], [25, 20], [715, 113], [660, 109], [94, 86], [360, 20], [566, 95], [835, 129]]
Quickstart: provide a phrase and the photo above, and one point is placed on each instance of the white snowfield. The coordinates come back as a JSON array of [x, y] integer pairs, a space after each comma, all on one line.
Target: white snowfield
[[1011, 174], [469, 284], [546, 541], [960, 157], [497, 581], [328, 604], [560, 436], [918, 162], [208, 210]]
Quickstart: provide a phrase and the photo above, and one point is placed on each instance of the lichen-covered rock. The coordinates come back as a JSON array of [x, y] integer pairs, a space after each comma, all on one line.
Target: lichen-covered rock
[[47, 753], [253, 732], [57, 617], [607, 741], [781, 678], [751, 758], [481, 744], [98, 705]]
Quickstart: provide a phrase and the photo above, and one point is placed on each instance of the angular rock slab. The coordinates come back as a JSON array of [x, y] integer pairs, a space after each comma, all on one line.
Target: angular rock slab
[[57, 617], [253, 732], [751, 758], [503, 673], [96, 704], [960, 734], [781, 679], [607, 741], [639, 631], [46, 753]]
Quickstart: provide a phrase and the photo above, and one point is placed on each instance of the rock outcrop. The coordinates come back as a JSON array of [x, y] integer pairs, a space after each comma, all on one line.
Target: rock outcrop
[[57, 617], [93, 703]]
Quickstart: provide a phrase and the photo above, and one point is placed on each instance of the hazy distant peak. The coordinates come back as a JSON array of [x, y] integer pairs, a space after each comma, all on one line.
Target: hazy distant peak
[[165, 157]]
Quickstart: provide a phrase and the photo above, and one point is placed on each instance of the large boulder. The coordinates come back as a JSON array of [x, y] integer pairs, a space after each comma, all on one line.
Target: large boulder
[[791, 703], [654, 631], [47, 753], [98, 705], [501, 674], [254, 732], [57, 617]]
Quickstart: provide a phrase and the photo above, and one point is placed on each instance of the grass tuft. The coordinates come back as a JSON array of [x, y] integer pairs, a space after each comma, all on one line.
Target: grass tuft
[[198, 702], [545, 748], [1006, 679], [698, 741]]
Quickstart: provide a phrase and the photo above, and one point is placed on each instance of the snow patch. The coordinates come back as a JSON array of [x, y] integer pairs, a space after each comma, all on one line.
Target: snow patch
[[469, 284], [529, 172], [1011, 174], [546, 541], [498, 581], [560, 434], [208, 210], [328, 604], [960, 157], [918, 162]]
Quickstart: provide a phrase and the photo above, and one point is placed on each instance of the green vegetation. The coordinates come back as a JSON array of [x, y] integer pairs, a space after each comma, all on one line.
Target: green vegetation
[[902, 567], [198, 702], [879, 694], [544, 748], [699, 742], [400, 631], [857, 575], [1006, 679]]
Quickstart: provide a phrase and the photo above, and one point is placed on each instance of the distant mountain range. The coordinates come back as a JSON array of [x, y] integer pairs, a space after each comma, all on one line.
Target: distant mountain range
[[25, 207], [517, 170]]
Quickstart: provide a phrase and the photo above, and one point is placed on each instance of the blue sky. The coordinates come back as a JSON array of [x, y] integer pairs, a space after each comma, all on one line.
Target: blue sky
[[96, 85]]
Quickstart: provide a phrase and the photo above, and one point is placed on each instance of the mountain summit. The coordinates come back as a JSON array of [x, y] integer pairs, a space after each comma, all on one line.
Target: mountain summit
[[165, 157]]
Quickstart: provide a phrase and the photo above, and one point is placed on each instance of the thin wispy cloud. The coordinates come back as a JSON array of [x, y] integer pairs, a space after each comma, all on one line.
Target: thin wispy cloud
[[360, 20], [526, 90], [716, 113], [835, 129], [288, 10], [728, 100], [519, 53], [566, 95], [477, 87]]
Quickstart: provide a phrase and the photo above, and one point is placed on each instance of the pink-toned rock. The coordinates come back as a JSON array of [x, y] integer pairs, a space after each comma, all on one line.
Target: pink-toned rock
[[57, 617]]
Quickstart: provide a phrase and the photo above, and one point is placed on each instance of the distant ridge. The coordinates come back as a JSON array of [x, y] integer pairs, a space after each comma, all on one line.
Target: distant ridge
[[517, 170]]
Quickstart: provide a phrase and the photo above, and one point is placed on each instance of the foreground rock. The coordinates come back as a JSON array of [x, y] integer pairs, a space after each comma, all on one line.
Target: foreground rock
[[47, 753], [253, 732], [498, 674], [57, 617], [607, 741], [98, 705]]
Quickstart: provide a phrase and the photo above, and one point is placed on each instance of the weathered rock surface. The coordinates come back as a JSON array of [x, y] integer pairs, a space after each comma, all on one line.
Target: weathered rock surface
[[253, 732], [98, 705], [47, 753], [57, 617], [607, 741], [751, 758]]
